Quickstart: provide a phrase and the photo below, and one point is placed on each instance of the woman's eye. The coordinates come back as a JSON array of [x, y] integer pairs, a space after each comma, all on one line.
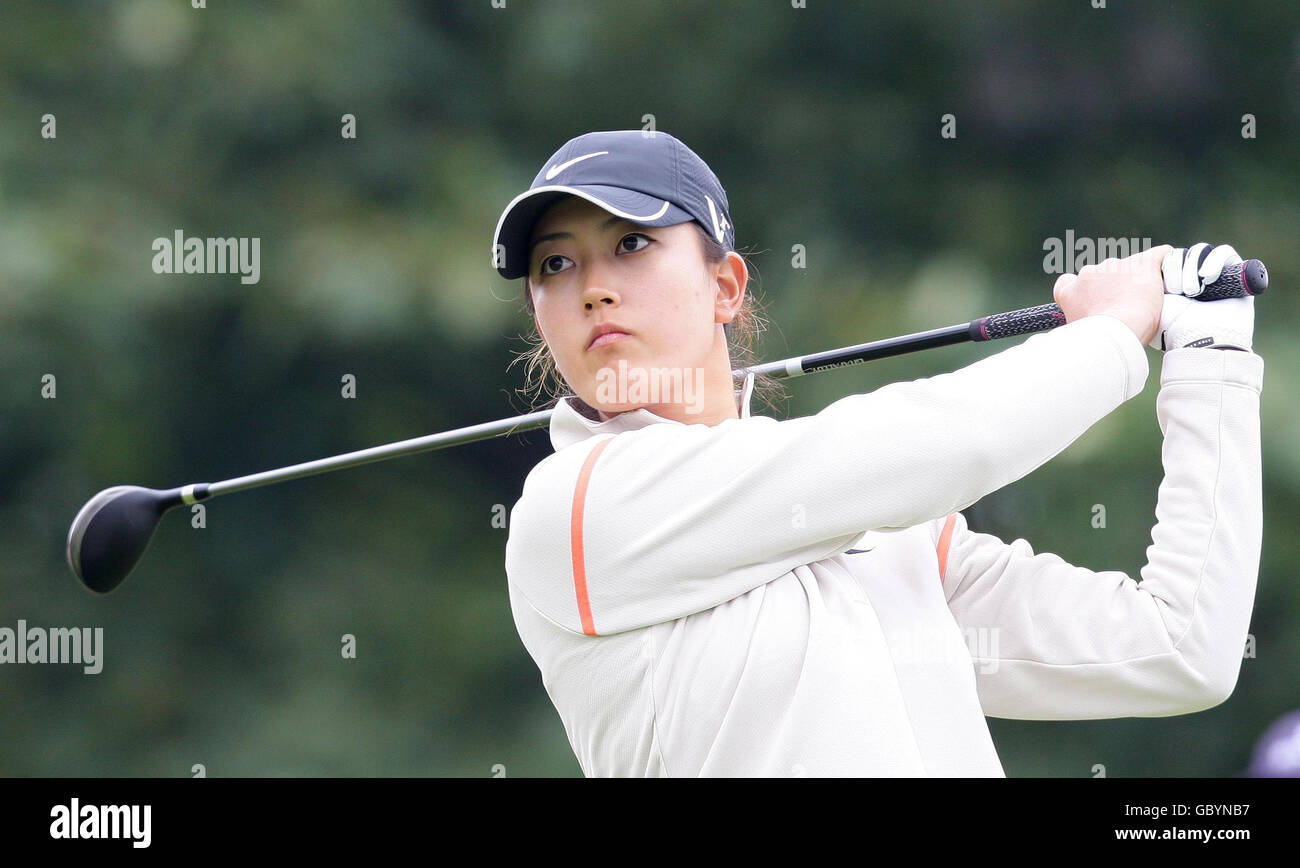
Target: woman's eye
[[555, 260], [555, 263], [622, 244]]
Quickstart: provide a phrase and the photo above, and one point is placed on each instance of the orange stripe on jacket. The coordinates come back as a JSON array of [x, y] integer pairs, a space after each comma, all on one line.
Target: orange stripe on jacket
[[575, 540], [945, 539]]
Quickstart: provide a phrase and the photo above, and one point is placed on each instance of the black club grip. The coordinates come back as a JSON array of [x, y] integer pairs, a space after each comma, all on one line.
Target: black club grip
[[1017, 322], [1236, 281]]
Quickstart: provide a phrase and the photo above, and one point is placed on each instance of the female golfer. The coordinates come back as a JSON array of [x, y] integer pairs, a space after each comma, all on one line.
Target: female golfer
[[710, 592]]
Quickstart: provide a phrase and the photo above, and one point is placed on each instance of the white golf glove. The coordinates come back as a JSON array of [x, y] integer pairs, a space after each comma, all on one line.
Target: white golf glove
[[1226, 322]]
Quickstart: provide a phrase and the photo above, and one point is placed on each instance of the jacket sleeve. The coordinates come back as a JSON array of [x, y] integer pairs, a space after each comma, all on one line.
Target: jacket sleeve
[[1053, 641], [672, 519]]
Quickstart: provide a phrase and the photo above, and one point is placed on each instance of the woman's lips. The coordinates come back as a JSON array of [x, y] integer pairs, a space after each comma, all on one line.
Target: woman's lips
[[607, 338]]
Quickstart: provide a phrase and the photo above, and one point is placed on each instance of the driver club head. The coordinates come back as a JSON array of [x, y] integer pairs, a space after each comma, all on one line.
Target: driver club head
[[111, 532]]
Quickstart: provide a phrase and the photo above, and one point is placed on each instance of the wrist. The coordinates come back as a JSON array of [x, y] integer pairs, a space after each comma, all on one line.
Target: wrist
[[1130, 322]]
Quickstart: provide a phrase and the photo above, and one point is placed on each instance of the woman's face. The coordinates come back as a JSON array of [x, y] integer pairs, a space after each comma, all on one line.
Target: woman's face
[[588, 268]]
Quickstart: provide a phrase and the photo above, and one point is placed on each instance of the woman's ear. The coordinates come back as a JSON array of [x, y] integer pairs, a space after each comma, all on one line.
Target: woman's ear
[[731, 278]]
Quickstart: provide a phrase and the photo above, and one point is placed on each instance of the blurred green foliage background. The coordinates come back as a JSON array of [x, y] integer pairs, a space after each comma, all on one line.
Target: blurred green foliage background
[[223, 648]]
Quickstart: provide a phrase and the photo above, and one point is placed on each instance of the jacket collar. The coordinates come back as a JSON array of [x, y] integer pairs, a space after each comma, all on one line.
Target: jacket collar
[[570, 423]]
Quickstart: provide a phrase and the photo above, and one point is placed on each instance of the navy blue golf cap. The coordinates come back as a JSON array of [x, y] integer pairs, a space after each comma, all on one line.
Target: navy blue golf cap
[[644, 176]]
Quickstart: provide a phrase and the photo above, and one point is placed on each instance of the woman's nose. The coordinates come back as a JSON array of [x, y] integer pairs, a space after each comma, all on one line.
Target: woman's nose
[[596, 290]]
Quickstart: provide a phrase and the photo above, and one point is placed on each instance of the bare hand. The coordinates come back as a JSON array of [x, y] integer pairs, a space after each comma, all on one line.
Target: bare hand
[[1131, 289]]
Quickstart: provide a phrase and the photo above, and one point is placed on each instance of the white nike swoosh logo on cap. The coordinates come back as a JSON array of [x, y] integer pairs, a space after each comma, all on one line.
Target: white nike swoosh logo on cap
[[555, 170]]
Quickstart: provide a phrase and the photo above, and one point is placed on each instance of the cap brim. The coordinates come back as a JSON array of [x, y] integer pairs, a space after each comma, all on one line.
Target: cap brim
[[515, 227]]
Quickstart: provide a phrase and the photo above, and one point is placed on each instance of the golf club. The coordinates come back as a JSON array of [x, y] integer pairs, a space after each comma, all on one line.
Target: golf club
[[112, 530]]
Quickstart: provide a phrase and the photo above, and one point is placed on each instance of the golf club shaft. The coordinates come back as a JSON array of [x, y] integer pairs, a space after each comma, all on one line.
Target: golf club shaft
[[1247, 279], [429, 442]]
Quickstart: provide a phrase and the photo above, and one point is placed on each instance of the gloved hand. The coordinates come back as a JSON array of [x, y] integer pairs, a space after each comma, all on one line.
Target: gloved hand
[[1227, 322]]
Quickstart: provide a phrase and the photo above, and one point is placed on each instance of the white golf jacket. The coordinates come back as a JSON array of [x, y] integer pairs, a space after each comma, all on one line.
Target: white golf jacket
[[804, 597]]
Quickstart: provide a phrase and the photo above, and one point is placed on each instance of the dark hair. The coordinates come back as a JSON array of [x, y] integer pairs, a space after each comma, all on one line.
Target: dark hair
[[543, 382]]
